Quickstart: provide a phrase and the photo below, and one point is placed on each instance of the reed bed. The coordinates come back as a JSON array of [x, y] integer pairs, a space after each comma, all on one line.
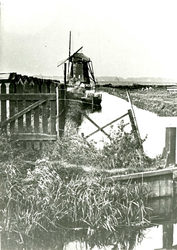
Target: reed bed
[[37, 204], [43, 204]]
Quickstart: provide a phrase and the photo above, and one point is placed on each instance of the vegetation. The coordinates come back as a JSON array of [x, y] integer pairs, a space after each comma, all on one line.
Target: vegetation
[[44, 201], [52, 195], [155, 99]]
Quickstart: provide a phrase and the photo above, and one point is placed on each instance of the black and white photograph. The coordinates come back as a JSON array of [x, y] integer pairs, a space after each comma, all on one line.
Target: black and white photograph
[[88, 125]]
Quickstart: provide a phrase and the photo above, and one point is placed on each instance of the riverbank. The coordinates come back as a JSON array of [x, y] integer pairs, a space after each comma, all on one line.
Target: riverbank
[[154, 99], [63, 188]]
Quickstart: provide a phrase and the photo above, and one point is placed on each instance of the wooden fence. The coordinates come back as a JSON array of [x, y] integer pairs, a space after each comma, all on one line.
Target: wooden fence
[[29, 108]]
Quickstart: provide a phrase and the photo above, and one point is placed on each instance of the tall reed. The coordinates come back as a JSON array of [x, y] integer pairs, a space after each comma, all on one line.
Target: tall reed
[[42, 202]]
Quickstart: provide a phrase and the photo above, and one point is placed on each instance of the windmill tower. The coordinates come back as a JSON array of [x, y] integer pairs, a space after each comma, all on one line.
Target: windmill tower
[[79, 68]]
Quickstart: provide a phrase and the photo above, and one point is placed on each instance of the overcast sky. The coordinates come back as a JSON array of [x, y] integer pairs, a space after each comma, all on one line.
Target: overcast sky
[[126, 38]]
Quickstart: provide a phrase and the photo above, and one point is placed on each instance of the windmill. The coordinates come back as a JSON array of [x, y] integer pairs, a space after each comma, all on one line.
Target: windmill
[[80, 68]]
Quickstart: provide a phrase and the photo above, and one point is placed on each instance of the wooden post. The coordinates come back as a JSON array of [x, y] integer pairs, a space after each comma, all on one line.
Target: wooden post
[[170, 145], [53, 111], [45, 109], [3, 106], [0, 236], [92, 103], [28, 126], [36, 144], [0, 103], [134, 122], [134, 129], [65, 66], [62, 108], [58, 113], [12, 107], [167, 235]]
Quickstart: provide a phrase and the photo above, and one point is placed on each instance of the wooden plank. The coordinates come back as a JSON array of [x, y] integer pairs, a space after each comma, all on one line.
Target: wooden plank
[[155, 188], [142, 175], [36, 112], [169, 204], [53, 111], [3, 104], [62, 108], [12, 107], [28, 117], [0, 101], [108, 124], [20, 108], [168, 235], [170, 144], [22, 112], [58, 111], [99, 128], [162, 208], [44, 110], [28, 96], [36, 117], [28, 125], [34, 137], [154, 205], [162, 186], [175, 183], [169, 187]]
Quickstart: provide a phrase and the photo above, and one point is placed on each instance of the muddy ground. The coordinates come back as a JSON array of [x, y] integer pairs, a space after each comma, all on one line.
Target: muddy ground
[[154, 99]]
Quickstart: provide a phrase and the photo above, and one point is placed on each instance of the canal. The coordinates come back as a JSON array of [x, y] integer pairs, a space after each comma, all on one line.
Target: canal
[[163, 236], [152, 239], [149, 124], [162, 232]]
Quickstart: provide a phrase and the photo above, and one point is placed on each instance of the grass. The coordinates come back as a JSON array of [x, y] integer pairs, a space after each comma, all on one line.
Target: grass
[[43, 201], [156, 100], [49, 196]]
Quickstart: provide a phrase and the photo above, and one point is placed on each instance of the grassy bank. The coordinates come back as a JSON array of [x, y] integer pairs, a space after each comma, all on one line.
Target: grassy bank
[[153, 99], [40, 203], [62, 188]]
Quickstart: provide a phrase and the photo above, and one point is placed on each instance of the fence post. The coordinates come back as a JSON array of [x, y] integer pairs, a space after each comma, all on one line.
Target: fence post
[[65, 68], [0, 236], [134, 129], [170, 145], [167, 235], [1, 208], [58, 113], [134, 123]]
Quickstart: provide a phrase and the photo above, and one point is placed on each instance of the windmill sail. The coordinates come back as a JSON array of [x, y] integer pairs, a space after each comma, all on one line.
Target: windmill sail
[[62, 62]]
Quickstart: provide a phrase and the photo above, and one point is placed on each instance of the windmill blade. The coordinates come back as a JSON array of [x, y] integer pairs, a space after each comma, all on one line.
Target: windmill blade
[[60, 63]]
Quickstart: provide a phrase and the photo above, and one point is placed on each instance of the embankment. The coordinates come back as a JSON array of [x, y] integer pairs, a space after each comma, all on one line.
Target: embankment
[[153, 99]]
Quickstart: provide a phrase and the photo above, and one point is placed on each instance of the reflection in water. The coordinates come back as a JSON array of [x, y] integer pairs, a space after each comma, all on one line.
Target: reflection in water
[[157, 237], [124, 238], [163, 236], [149, 124]]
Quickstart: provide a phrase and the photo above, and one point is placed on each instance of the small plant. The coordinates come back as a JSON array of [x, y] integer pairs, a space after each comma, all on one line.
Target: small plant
[[123, 151]]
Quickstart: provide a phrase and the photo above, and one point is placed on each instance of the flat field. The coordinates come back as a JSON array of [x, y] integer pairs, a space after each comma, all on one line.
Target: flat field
[[156, 99]]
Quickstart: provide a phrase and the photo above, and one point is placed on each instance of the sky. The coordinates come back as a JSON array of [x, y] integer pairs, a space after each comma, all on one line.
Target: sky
[[123, 38]]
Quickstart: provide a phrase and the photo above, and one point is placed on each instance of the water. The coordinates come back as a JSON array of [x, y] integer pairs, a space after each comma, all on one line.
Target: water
[[152, 240], [149, 124]]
